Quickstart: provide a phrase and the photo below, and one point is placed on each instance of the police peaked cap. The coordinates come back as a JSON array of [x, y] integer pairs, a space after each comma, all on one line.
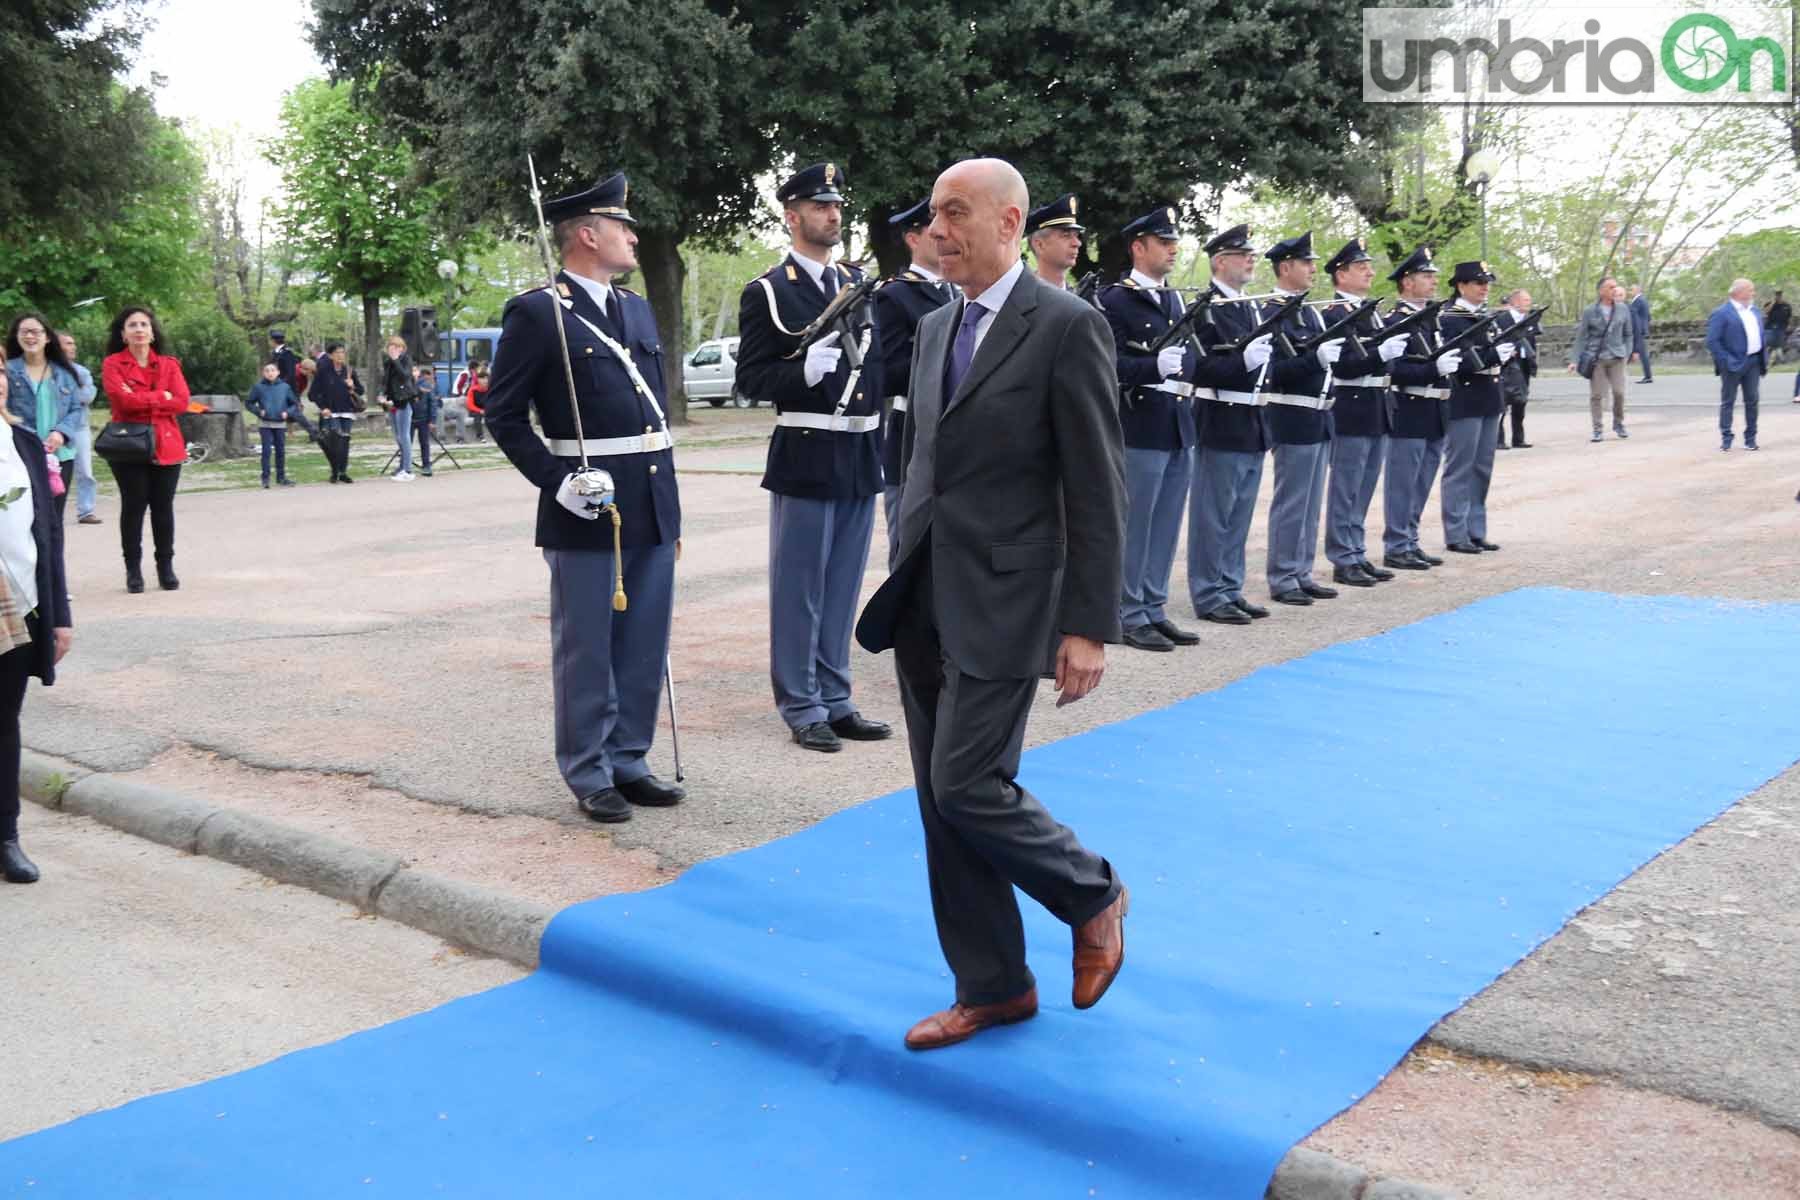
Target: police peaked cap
[[604, 199], [820, 181]]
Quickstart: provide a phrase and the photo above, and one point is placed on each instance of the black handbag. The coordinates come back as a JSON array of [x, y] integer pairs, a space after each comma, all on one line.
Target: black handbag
[[126, 442]]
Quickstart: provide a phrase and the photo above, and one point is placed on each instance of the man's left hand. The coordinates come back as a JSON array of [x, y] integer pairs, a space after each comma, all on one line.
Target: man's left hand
[[63, 637], [1080, 662]]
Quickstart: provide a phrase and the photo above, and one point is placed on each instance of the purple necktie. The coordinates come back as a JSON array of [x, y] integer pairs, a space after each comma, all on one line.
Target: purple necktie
[[964, 351]]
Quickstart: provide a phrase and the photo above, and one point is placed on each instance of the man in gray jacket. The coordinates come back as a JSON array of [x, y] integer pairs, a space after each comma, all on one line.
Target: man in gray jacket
[[1604, 335]]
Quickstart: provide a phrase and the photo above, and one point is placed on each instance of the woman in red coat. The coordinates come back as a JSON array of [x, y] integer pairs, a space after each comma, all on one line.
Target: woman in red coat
[[145, 385]]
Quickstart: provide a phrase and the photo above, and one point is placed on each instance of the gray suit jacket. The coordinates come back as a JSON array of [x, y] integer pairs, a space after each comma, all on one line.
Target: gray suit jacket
[[1015, 485]]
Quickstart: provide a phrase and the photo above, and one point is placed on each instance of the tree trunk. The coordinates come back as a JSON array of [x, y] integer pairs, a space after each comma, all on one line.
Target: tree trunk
[[665, 276], [371, 363]]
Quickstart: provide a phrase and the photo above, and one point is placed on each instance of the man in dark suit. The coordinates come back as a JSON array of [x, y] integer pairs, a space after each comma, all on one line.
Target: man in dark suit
[[1012, 530], [606, 665], [824, 466], [1640, 329], [1740, 354], [1516, 375], [900, 304]]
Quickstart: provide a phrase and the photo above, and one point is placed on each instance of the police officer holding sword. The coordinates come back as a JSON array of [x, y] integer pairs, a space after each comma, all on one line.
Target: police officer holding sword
[[609, 515]]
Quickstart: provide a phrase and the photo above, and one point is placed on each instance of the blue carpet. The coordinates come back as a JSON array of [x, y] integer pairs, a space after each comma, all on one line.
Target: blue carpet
[[1324, 858]]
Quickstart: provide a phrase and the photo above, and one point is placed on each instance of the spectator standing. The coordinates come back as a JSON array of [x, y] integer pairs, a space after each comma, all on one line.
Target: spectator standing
[[1739, 349], [274, 404], [1640, 330], [145, 385], [333, 391], [398, 392], [425, 414], [1602, 348], [457, 409], [474, 398], [35, 626], [85, 391], [45, 395], [1776, 322], [1517, 372], [296, 372]]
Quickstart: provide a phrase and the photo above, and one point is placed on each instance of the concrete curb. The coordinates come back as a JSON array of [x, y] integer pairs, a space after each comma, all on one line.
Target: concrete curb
[[470, 915], [465, 913]]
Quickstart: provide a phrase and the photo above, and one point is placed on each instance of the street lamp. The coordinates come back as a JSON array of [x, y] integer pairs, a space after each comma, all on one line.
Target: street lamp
[[1482, 166]]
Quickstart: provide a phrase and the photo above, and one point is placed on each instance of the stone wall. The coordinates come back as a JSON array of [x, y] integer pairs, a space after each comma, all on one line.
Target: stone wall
[[1678, 340]]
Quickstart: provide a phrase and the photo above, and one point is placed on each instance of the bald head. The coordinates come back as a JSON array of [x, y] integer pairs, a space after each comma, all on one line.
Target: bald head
[[977, 212], [1743, 291]]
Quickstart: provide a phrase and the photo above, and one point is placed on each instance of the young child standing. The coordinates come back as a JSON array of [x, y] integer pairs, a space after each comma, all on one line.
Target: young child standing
[[274, 404]]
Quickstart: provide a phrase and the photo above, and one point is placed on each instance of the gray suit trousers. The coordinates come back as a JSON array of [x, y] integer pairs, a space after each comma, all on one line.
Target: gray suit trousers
[[1294, 505], [1355, 469], [1221, 502], [984, 834], [607, 667], [1468, 470], [1412, 464], [818, 550]]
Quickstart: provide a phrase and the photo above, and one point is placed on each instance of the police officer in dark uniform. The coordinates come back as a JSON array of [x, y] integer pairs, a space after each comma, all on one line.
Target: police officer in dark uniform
[[1475, 408], [824, 467], [1157, 418], [1421, 416], [1233, 435], [1054, 235], [287, 369], [606, 665], [1359, 416], [900, 303], [1518, 372], [1298, 392]]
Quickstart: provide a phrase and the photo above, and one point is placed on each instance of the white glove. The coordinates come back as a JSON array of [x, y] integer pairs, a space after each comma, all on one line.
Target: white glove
[[1506, 350], [1258, 352], [585, 493], [1448, 362], [821, 359], [1168, 361], [1391, 349], [1330, 352]]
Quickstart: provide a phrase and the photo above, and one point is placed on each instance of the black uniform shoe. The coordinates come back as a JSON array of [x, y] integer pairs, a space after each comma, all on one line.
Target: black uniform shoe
[[1148, 637], [1292, 596], [1430, 560], [605, 805], [1226, 614], [1486, 545], [1375, 572], [650, 792], [818, 736], [1318, 591], [1463, 548], [1255, 612], [1405, 562], [1521, 445], [859, 728], [1175, 633], [14, 865], [1352, 576]]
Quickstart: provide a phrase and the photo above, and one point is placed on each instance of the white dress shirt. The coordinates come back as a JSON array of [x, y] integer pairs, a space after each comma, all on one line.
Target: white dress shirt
[[599, 292], [993, 300], [1752, 328], [813, 268]]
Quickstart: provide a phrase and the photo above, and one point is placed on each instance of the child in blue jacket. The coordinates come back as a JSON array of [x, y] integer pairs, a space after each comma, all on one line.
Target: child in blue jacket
[[274, 404]]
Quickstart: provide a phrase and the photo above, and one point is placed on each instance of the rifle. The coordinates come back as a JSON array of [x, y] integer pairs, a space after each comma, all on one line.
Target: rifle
[[1408, 324], [844, 314], [1088, 288], [1473, 334], [1333, 331], [1521, 328], [1272, 324], [1183, 325]]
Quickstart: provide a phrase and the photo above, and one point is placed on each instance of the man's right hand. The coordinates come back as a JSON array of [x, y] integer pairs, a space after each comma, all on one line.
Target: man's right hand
[[1258, 352], [579, 496], [1080, 662], [821, 359], [1448, 362]]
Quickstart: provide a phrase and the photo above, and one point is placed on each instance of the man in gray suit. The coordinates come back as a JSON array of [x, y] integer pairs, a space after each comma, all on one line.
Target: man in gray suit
[[1012, 532]]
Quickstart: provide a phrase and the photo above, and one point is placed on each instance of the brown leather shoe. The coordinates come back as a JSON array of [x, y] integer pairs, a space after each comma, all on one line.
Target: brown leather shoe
[[1100, 951], [960, 1022]]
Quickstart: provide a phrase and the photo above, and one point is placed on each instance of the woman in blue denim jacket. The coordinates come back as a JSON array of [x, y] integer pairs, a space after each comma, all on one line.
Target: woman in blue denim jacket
[[44, 393]]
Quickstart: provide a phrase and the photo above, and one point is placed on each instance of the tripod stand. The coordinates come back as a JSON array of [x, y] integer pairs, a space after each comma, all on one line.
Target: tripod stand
[[432, 433]]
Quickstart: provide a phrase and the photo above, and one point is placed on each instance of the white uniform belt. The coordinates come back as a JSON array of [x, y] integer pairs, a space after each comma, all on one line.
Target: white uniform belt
[[898, 403], [643, 443], [1174, 387], [1488, 371], [1364, 381], [807, 420], [1426, 393], [1226, 396], [1296, 401]]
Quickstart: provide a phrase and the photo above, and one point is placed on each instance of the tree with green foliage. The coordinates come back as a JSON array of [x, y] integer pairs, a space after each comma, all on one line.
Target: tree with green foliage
[[356, 219]]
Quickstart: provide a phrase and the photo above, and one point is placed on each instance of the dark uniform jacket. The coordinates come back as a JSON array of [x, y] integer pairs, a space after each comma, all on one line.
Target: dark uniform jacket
[[1151, 419], [1358, 411], [1299, 374], [1425, 417], [287, 364], [528, 373], [1475, 388], [815, 464], [900, 304], [1515, 376], [1240, 428]]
